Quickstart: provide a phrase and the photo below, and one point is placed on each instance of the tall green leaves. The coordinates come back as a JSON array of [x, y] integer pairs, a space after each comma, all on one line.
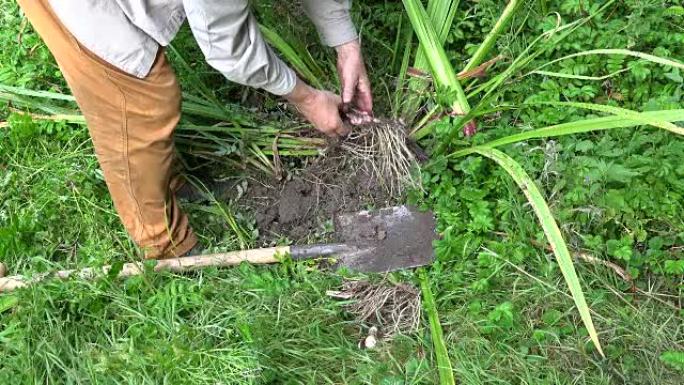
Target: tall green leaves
[[440, 66], [238, 137], [441, 14], [553, 234], [301, 60]]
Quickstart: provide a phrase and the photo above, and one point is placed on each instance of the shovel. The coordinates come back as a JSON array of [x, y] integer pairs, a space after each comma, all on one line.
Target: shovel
[[378, 241]]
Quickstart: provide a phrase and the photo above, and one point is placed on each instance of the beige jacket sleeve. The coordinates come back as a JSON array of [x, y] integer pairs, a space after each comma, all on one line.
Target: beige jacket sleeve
[[332, 20], [231, 42]]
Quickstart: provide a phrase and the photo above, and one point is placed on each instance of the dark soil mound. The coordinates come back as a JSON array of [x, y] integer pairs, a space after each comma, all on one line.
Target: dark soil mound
[[302, 206]]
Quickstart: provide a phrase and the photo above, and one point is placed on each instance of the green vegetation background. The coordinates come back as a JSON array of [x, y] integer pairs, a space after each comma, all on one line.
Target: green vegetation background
[[503, 304]]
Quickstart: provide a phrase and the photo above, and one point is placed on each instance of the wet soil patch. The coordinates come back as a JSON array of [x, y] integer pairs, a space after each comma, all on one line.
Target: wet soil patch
[[301, 207]]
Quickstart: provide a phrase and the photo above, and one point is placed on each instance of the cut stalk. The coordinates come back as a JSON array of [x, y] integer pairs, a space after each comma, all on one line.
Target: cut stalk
[[553, 234]]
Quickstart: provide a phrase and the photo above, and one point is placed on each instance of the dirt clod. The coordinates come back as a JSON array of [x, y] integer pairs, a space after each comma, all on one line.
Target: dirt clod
[[301, 207]]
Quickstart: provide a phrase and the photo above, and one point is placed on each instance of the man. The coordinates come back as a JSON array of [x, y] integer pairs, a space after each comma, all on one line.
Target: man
[[111, 55]]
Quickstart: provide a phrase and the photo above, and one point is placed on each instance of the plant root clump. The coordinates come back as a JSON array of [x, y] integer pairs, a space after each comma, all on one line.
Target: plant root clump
[[383, 148], [391, 308], [371, 168]]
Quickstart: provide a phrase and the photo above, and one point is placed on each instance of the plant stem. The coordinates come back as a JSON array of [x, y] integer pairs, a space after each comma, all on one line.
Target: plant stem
[[443, 73], [446, 374], [490, 39]]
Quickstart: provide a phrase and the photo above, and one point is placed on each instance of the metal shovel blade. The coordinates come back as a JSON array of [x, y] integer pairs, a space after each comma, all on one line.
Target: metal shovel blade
[[384, 240]]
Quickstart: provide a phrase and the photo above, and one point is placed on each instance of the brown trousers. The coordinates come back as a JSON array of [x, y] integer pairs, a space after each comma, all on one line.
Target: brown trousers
[[131, 122]]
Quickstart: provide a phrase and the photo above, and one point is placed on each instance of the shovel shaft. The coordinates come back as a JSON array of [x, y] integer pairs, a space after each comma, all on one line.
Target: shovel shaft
[[256, 256], [320, 250]]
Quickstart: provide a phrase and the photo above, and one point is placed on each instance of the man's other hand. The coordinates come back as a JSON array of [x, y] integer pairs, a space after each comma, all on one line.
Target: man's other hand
[[356, 88], [320, 108]]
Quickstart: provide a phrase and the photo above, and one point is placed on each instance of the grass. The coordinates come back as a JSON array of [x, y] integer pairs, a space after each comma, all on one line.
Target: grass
[[611, 182]]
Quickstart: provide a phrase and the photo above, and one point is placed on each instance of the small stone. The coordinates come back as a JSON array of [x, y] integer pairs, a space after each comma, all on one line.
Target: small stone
[[370, 342]]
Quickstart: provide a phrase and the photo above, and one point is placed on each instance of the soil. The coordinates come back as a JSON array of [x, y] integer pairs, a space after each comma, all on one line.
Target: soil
[[366, 170], [302, 206]]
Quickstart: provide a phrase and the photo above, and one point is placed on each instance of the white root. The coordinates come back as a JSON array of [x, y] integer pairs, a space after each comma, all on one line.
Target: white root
[[381, 147]]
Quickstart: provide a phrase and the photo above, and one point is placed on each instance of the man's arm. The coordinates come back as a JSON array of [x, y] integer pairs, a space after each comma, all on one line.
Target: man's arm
[[336, 28], [332, 20], [229, 37]]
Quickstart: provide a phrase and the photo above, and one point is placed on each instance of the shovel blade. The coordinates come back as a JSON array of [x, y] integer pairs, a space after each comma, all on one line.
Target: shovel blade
[[388, 239]]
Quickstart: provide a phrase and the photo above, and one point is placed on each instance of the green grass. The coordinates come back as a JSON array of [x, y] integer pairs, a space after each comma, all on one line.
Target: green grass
[[611, 177]]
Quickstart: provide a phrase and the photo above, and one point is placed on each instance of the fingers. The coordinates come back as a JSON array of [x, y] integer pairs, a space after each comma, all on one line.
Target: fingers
[[364, 96], [322, 109], [336, 126], [349, 88], [343, 129], [360, 97], [358, 118]]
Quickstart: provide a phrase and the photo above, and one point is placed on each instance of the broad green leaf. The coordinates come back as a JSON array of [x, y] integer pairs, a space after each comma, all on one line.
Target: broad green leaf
[[621, 112], [8, 302], [580, 126], [553, 234], [674, 359]]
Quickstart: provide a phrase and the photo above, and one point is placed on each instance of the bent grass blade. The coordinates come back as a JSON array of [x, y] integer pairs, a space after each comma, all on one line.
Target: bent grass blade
[[620, 112], [553, 234], [446, 373], [580, 126], [619, 51]]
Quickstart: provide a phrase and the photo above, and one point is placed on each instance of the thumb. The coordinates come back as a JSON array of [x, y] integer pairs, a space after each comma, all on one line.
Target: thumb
[[343, 129]]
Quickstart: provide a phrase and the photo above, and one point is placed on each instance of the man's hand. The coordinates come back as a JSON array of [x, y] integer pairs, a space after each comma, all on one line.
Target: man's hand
[[356, 88], [321, 108]]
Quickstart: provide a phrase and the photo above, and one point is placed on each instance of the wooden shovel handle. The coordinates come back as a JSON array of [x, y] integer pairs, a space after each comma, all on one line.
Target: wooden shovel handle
[[256, 256]]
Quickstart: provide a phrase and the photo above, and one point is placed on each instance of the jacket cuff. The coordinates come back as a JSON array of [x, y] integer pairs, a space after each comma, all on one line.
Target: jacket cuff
[[337, 32], [285, 83]]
